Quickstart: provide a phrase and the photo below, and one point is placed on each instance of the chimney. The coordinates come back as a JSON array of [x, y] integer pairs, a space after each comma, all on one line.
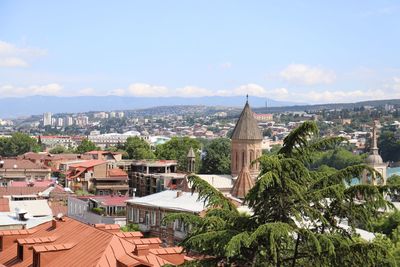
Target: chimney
[[141, 250], [179, 193], [54, 224]]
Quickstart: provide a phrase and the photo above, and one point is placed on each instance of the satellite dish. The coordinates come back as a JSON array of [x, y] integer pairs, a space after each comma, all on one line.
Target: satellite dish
[[59, 216]]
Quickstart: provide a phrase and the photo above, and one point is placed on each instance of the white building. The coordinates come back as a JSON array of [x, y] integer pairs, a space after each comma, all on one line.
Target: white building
[[110, 139], [47, 120]]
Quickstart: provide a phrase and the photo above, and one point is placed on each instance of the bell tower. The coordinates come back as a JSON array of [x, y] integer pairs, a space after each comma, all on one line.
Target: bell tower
[[246, 143]]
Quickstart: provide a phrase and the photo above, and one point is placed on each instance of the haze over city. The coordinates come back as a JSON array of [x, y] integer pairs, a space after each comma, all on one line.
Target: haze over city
[[298, 51]]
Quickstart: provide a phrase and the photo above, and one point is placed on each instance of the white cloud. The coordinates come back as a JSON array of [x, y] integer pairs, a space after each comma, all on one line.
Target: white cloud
[[304, 74], [13, 56], [87, 91], [147, 90], [14, 91], [192, 91], [13, 62], [340, 96]]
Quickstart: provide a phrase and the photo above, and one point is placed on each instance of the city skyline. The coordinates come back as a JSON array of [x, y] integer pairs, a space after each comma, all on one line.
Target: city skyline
[[306, 52]]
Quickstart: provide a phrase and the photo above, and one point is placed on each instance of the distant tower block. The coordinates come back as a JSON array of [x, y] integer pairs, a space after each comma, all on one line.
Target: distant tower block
[[191, 161], [375, 161], [246, 143]]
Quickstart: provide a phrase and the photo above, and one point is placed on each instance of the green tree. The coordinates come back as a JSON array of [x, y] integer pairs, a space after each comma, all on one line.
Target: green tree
[[394, 180], [295, 213], [58, 150], [338, 158], [217, 158], [137, 148], [177, 149], [389, 146], [131, 227], [86, 146], [17, 144]]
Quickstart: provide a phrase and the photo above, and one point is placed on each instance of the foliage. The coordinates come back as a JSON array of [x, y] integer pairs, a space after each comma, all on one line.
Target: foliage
[[217, 159], [338, 158], [18, 144], [82, 193], [130, 227], [86, 146], [99, 211], [137, 148], [296, 213], [177, 148], [389, 146], [60, 150], [393, 180]]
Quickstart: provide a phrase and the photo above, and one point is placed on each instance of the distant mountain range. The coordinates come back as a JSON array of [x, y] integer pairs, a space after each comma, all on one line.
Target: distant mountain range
[[34, 105], [317, 107]]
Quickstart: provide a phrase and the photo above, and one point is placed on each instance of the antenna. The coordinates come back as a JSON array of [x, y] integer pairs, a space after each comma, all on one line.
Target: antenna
[[266, 106]]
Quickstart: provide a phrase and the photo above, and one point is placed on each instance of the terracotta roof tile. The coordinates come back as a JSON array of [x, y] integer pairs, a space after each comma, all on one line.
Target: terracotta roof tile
[[72, 243], [243, 183], [4, 205]]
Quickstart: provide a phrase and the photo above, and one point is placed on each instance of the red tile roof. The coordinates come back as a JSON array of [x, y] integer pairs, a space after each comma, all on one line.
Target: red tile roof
[[34, 184], [72, 243], [4, 205], [117, 172], [21, 164], [88, 163]]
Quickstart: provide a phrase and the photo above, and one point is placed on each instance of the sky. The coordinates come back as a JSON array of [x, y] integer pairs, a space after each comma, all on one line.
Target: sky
[[301, 51]]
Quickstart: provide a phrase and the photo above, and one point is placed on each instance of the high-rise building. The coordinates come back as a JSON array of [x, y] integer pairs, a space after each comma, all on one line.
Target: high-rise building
[[68, 121], [47, 118], [60, 122]]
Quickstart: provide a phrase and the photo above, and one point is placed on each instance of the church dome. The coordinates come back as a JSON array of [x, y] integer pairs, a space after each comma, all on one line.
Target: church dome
[[374, 159]]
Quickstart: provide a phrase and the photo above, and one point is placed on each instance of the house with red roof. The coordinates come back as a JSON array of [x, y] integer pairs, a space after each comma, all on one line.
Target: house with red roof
[[97, 176], [15, 169], [68, 242]]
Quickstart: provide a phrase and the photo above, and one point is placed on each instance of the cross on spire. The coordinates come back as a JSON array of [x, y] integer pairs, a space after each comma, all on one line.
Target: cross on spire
[[247, 98]]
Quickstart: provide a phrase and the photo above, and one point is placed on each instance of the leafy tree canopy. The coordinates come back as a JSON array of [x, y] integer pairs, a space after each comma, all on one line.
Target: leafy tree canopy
[[86, 146], [177, 149], [217, 158], [137, 148], [17, 144], [338, 158], [296, 213]]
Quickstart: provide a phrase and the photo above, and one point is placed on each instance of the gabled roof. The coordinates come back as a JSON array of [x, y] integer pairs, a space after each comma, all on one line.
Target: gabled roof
[[191, 153], [246, 127], [88, 163], [13, 163], [243, 184]]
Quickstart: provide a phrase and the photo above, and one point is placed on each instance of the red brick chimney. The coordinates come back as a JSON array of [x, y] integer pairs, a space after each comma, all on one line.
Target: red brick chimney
[[141, 250]]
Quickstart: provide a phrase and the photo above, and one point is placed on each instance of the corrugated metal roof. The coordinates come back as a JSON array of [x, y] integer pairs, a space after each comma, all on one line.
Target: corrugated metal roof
[[169, 200]]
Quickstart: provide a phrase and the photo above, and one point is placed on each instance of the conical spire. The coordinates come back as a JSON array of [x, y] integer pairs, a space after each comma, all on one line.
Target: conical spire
[[374, 157], [246, 127], [191, 153], [374, 148], [243, 183]]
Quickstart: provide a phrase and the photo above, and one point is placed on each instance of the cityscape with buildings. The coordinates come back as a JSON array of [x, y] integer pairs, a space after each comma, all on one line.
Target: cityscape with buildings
[[199, 134]]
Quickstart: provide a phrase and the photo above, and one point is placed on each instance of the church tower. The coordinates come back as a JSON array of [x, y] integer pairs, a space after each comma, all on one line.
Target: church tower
[[246, 143], [191, 161], [375, 161]]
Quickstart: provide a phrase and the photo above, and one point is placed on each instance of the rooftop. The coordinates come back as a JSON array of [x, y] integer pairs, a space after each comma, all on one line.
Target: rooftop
[[246, 127], [79, 244], [173, 200]]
